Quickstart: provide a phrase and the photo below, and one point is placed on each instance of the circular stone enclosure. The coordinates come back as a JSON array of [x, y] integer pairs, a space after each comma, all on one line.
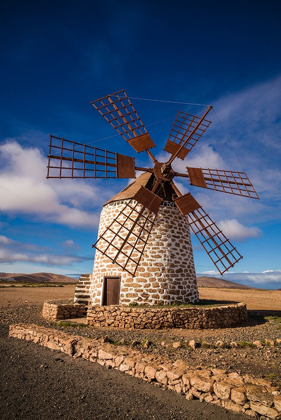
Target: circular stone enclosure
[[172, 317]]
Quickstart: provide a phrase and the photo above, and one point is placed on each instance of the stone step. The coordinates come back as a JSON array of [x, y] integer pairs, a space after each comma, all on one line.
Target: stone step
[[84, 302], [82, 296]]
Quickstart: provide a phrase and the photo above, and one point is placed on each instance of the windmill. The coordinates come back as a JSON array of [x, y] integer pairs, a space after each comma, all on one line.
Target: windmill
[[123, 238]]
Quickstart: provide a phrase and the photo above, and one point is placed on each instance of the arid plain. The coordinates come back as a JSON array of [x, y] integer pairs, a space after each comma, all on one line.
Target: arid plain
[[39, 383]]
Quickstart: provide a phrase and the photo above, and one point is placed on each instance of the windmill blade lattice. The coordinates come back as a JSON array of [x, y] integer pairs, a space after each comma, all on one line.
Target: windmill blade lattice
[[223, 254], [118, 110], [184, 124], [124, 240], [69, 159], [230, 182]]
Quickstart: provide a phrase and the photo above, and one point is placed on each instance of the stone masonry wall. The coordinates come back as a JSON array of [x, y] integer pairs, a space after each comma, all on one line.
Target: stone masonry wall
[[240, 393], [166, 273], [161, 318], [56, 310]]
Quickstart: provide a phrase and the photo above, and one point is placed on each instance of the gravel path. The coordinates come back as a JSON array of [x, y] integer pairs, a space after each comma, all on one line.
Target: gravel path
[[38, 383]]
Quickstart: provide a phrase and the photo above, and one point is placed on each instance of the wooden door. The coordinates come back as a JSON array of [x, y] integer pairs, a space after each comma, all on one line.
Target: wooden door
[[111, 290]]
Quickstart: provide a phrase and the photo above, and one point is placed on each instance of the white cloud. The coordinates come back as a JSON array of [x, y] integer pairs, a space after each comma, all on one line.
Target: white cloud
[[14, 251], [70, 244], [265, 278], [235, 230], [4, 240], [48, 259], [209, 273], [24, 189], [268, 279]]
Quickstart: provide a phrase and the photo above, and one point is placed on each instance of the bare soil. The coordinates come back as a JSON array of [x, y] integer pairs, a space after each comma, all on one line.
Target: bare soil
[[40, 383]]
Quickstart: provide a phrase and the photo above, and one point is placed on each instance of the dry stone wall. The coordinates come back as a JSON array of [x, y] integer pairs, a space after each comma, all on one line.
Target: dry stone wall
[[255, 397], [161, 318], [56, 310], [166, 273]]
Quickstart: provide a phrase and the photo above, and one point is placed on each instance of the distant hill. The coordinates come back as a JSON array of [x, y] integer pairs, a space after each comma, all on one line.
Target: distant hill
[[37, 278], [204, 281]]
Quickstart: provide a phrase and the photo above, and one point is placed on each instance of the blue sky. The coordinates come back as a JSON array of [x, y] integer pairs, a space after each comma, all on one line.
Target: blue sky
[[57, 57]]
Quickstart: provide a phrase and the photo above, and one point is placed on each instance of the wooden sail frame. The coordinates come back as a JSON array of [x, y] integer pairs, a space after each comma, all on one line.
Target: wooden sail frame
[[70, 159], [131, 229], [119, 111], [183, 125]]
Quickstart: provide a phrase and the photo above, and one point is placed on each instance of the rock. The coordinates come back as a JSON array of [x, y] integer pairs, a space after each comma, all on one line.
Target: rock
[[174, 374], [178, 388], [229, 405], [180, 364], [278, 340], [277, 402], [118, 360], [147, 344], [220, 344], [193, 344], [222, 390], [268, 342], [263, 410], [238, 395], [258, 344], [208, 398], [140, 367], [258, 393], [176, 344], [186, 381], [233, 344], [201, 384], [161, 377], [150, 372], [251, 413], [104, 355], [189, 396], [123, 367]]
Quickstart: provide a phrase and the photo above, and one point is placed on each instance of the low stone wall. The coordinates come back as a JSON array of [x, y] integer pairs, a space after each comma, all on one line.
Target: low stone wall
[[56, 310], [239, 393], [160, 318]]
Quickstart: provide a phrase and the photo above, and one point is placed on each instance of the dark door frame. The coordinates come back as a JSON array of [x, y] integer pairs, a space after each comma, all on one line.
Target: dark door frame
[[104, 289]]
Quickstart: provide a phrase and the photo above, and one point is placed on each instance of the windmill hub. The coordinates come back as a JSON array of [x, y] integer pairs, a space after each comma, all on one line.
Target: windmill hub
[[163, 171]]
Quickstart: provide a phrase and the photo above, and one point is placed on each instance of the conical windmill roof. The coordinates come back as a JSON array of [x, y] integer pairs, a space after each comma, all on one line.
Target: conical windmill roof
[[130, 191]]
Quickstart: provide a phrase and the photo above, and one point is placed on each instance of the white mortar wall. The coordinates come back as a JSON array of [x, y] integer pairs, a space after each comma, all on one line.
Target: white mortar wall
[[166, 273]]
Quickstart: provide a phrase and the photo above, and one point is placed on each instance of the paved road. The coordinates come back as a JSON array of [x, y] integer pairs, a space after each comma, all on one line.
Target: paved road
[[38, 383]]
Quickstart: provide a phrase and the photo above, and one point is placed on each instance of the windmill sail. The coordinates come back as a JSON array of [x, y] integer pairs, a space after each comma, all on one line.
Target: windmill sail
[[124, 240], [230, 182], [223, 254], [69, 159], [183, 126], [118, 110]]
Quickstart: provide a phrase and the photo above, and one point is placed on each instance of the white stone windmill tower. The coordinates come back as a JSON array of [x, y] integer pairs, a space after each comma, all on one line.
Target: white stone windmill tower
[[144, 252]]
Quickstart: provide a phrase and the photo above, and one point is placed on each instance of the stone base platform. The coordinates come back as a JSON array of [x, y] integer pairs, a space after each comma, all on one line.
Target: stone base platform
[[170, 317], [119, 316]]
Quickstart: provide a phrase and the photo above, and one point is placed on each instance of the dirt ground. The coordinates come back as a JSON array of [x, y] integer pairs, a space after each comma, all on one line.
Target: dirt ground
[[39, 383], [255, 299]]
